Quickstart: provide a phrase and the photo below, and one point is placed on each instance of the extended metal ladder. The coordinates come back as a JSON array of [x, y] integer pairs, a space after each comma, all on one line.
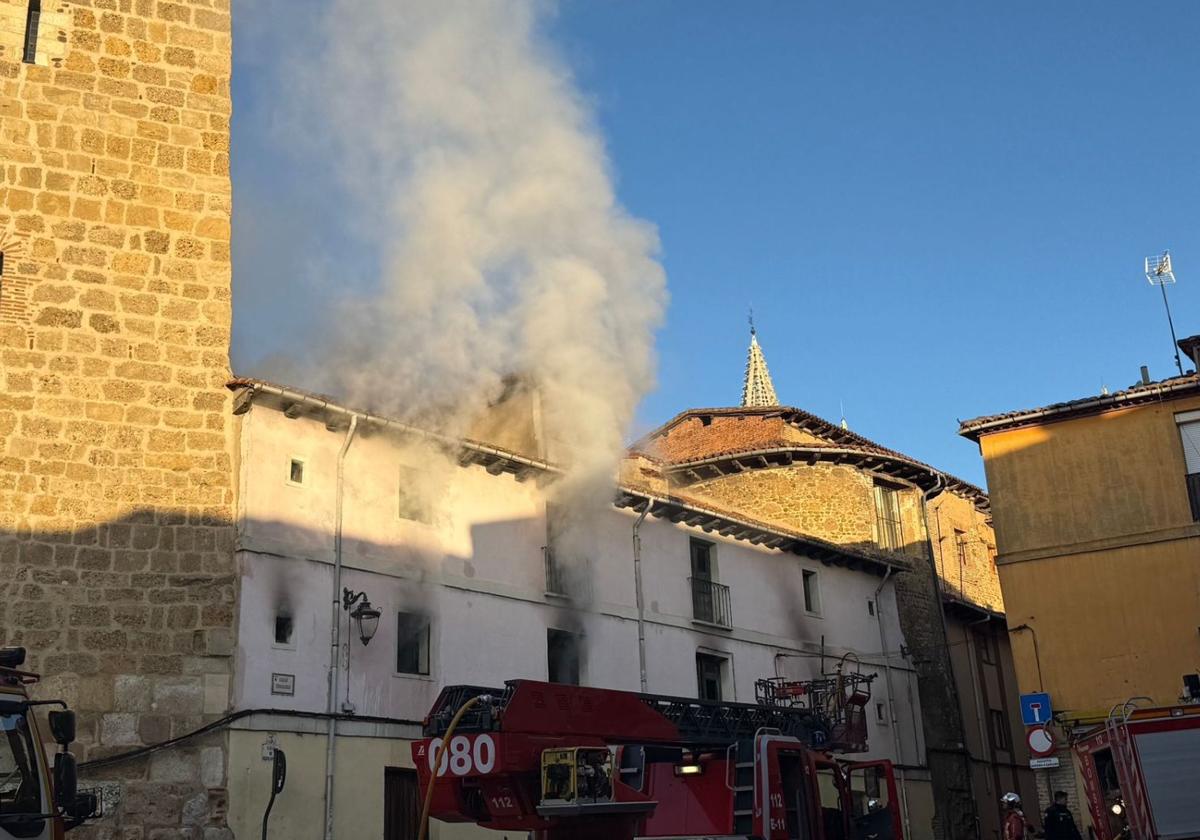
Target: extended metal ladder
[[1116, 725]]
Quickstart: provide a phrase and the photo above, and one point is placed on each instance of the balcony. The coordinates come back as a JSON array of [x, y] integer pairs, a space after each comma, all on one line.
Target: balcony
[[555, 583], [710, 602]]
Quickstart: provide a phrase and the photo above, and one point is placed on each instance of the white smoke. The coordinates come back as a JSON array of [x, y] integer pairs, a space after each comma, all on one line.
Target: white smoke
[[475, 164]]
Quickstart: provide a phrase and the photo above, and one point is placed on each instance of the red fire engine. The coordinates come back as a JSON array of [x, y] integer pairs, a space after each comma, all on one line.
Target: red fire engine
[[1140, 773], [565, 761]]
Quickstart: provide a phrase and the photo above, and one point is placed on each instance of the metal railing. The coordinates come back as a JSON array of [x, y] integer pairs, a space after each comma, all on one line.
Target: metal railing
[[555, 583], [710, 602]]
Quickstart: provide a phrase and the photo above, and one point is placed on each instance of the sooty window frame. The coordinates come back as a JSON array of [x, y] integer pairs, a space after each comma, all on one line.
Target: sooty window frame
[[564, 653], [412, 645], [708, 667]]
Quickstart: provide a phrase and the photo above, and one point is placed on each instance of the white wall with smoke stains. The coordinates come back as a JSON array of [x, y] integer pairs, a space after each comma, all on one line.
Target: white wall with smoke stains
[[476, 568]]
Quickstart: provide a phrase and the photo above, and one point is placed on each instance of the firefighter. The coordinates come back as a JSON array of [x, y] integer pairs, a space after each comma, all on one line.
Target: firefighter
[[1058, 821], [1016, 826]]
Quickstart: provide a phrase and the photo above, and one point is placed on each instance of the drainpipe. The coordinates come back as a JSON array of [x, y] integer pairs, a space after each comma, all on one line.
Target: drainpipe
[[637, 585], [887, 676], [336, 631]]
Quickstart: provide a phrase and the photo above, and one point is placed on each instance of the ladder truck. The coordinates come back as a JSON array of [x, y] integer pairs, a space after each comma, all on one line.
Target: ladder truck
[[564, 761]]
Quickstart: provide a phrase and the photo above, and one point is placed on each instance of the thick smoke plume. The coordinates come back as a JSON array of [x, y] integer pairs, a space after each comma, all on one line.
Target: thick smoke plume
[[474, 164]]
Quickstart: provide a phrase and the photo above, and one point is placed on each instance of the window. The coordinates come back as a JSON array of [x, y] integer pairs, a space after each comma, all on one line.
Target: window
[[887, 517], [710, 600], [412, 644], [960, 544], [1189, 433], [555, 584], [812, 592], [413, 504], [710, 671], [20, 787], [562, 657], [296, 471], [283, 629], [1001, 738], [33, 17], [702, 565], [985, 643], [870, 607], [881, 713]]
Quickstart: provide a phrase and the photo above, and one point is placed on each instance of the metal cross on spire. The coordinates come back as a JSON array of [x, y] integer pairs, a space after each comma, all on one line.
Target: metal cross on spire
[[757, 388]]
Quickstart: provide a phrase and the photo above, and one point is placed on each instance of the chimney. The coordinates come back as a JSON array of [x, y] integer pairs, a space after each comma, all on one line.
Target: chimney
[[1191, 348], [1145, 375]]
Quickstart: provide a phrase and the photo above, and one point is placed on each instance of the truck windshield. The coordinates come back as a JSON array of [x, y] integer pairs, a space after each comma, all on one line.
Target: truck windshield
[[20, 790]]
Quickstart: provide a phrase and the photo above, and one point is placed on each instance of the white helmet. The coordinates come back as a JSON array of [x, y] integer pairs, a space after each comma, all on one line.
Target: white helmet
[[1010, 800]]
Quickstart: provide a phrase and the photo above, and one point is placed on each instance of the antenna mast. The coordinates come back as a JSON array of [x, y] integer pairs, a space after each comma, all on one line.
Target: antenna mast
[[1159, 273]]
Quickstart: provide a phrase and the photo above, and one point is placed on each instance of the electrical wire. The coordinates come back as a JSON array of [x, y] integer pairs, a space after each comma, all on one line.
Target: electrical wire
[[222, 722]]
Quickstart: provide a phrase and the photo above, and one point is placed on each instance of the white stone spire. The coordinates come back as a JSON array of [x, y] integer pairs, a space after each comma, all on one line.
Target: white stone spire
[[757, 390]]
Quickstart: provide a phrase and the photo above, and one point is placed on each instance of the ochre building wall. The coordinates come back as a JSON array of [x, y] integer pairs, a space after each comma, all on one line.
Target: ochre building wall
[[1098, 555], [116, 473]]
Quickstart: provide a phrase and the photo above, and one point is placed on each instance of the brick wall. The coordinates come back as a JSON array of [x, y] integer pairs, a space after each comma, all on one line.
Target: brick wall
[[116, 474]]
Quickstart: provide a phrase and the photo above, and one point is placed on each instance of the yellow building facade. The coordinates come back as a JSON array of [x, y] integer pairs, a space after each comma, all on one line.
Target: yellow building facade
[[1096, 505]]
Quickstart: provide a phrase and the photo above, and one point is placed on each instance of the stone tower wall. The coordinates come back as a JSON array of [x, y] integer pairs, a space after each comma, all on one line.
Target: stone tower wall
[[116, 473]]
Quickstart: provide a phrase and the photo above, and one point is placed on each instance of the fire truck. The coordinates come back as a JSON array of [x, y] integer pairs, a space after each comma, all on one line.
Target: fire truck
[[564, 761], [1141, 773], [38, 797]]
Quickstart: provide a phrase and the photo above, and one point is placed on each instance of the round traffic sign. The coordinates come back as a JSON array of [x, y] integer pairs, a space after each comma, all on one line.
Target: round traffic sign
[[1040, 740]]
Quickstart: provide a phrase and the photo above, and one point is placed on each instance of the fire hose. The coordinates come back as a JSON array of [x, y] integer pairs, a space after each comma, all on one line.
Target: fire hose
[[438, 754]]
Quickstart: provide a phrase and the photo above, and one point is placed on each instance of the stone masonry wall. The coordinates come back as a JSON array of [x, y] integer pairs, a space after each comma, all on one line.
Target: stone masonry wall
[[964, 550], [116, 473], [830, 502]]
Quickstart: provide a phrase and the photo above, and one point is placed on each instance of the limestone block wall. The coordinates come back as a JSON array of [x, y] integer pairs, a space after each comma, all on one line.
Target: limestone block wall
[[964, 550], [831, 502], [116, 472]]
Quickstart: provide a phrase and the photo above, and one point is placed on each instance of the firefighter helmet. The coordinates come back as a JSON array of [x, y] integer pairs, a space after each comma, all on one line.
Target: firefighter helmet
[[1010, 800]]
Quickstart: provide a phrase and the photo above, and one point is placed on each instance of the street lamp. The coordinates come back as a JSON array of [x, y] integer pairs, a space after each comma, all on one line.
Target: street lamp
[[365, 616]]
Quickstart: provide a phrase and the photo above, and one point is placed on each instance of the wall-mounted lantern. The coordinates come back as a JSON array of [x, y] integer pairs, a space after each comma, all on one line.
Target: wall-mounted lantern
[[366, 617]]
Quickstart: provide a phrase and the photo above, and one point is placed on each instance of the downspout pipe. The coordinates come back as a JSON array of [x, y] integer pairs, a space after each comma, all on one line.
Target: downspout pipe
[[887, 677], [637, 586], [335, 634]]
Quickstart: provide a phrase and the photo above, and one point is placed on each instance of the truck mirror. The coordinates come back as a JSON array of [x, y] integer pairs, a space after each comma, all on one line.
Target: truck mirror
[[62, 727], [66, 780]]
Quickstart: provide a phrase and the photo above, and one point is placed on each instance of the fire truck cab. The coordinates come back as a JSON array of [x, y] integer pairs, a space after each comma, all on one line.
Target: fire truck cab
[[38, 798], [564, 761], [1140, 774]]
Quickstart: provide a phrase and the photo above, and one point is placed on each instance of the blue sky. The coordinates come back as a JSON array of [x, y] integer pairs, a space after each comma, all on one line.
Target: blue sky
[[937, 210]]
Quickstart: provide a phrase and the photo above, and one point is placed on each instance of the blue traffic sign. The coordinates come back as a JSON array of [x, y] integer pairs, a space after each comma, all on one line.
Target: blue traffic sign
[[1035, 709]]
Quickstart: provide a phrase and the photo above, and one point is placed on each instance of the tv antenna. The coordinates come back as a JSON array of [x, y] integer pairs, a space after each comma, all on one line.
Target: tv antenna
[[1160, 273]]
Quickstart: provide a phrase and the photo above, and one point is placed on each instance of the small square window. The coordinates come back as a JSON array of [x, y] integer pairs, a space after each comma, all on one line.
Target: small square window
[[812, 592], [296, 471], [412, 644], [283, 629]]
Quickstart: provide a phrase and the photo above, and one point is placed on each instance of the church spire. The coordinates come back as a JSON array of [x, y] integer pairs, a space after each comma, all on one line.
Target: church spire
[[757, 390]]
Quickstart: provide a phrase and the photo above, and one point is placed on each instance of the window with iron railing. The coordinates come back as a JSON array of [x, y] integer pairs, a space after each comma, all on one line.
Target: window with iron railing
[[890, 535], [710, 602], [555, 583]]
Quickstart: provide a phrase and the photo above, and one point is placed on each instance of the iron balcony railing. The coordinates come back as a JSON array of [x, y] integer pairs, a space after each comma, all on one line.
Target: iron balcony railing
[[555, 584], [710, 602]]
